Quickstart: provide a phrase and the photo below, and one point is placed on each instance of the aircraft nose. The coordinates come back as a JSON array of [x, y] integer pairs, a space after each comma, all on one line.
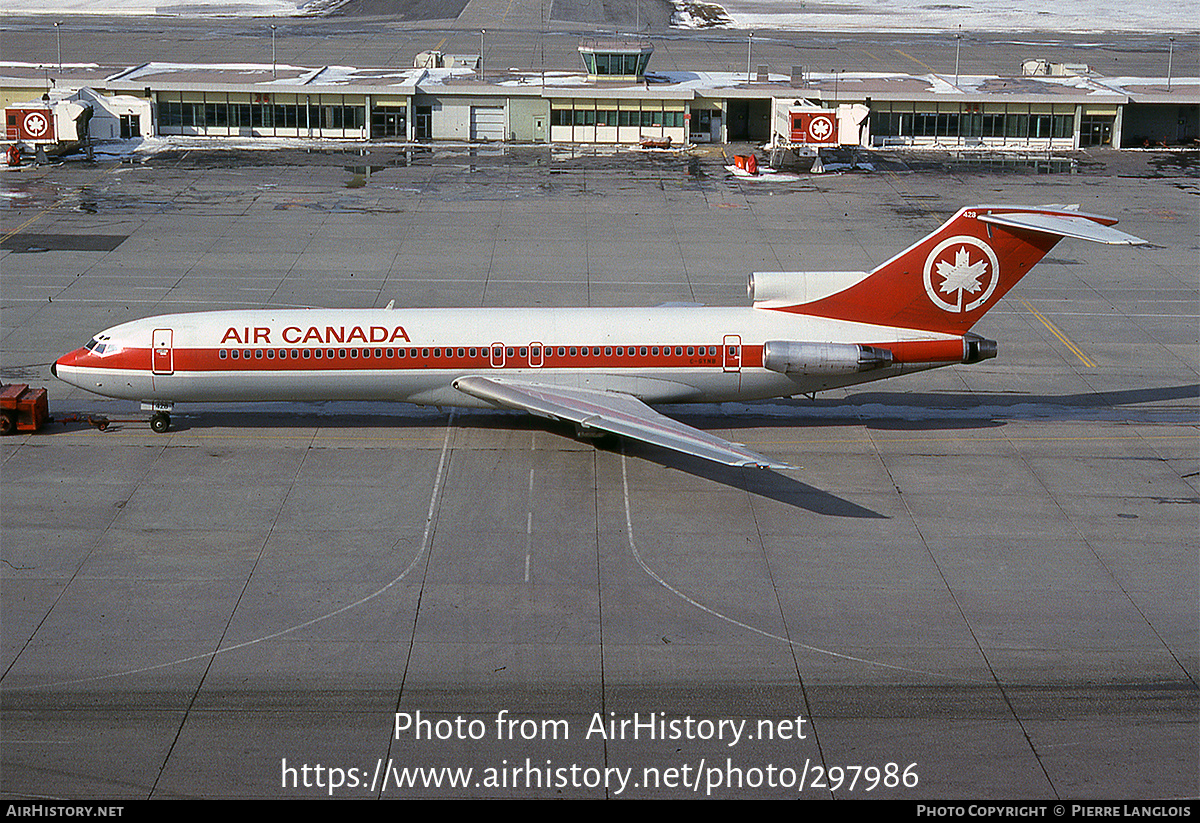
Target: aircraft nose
[[67, 361]]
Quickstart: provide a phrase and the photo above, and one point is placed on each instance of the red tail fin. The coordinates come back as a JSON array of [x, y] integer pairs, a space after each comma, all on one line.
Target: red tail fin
[[949, 280]]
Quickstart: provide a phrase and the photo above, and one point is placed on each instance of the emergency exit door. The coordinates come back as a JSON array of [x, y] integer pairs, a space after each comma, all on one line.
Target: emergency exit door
[[731, 349]]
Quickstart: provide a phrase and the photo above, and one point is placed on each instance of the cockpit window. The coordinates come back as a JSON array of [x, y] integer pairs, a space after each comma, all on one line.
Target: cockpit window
[[100, 344]]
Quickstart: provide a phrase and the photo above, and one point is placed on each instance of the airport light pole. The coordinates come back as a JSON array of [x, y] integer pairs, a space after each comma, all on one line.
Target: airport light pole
[[274, 70], [1170, 56], [749, 44], [957, 49], [58, 39]]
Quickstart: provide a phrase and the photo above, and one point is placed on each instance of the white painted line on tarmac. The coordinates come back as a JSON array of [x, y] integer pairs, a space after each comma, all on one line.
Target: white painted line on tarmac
[[425, 538], [638, 557]]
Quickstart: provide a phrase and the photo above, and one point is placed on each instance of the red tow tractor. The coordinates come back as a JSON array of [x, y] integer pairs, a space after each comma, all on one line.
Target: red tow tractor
[[22, 409]]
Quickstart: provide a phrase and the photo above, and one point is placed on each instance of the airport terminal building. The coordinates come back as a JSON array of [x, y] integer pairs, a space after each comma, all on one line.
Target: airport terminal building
[[618, 99]]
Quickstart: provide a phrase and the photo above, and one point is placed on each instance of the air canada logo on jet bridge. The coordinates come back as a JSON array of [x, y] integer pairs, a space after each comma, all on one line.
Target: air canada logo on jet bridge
[[36, 124], [821, 128], [961, 273]]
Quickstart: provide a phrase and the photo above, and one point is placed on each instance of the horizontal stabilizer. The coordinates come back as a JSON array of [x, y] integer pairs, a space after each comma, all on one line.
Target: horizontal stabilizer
[[614, 412], [1080, 226]]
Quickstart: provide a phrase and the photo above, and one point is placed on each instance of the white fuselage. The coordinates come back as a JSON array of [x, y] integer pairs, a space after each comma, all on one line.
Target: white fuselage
[[667, 354]]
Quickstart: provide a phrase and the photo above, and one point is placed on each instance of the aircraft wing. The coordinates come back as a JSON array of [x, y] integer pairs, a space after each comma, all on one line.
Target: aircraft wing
[[614, 412]]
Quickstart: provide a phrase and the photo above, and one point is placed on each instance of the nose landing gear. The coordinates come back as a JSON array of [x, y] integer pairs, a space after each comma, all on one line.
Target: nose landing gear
[[160, 415]]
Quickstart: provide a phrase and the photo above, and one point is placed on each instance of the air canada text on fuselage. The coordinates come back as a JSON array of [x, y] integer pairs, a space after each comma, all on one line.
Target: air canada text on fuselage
[[292, 335]]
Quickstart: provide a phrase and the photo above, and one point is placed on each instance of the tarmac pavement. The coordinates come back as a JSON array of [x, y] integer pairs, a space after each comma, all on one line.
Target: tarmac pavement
[[981, 584]]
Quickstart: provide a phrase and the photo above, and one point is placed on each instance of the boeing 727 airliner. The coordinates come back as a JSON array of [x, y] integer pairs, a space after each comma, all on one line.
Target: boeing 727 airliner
[[599, 367]]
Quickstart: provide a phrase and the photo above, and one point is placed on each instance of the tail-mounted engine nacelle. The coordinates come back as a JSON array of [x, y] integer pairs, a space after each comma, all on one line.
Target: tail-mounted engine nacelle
[[976, 348], [791, 357], [782, 289]]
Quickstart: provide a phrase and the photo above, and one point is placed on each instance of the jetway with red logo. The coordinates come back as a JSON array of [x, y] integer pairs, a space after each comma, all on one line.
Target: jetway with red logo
[[30, 123], [803, 128], [813, 127], [66, 121], [55, 126], [802, 123]]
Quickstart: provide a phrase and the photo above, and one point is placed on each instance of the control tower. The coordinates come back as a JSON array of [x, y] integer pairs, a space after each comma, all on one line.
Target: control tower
[[616, 59]]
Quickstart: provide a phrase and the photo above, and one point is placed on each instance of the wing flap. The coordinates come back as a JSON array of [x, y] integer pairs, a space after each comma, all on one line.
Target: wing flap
[[614, 412]]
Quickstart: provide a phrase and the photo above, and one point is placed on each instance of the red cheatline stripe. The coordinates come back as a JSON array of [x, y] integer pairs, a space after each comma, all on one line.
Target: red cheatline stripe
[[377, 358], [389, 358]]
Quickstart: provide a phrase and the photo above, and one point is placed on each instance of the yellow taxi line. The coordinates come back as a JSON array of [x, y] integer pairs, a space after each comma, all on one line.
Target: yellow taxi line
[[1054, 330]]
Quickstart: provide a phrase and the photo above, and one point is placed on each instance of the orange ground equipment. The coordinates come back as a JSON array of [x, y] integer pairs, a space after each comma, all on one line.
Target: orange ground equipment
[[22, 409]]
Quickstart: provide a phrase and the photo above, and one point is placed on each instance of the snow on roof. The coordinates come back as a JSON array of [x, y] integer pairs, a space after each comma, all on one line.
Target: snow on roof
[[665, 84], [1184, 89], [282, 75]]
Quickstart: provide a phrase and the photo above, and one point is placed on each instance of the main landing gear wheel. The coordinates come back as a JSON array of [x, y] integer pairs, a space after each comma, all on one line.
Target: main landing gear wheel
[[160, 422]]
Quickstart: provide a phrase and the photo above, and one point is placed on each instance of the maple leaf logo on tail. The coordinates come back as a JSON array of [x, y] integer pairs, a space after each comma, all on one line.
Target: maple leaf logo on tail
[[962, 276], [973, 270]]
